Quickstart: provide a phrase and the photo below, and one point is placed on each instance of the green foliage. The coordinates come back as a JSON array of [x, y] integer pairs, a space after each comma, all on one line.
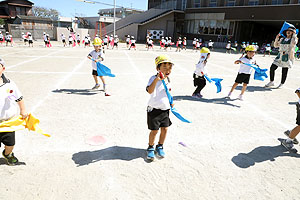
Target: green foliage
[[2, 21], [45, 12]]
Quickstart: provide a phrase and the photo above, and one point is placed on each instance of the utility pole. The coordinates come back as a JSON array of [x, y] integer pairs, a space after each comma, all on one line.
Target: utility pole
[[114, 18]]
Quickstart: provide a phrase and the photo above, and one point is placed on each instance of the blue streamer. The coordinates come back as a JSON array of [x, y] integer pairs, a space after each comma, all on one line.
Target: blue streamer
[[260, 74], [173, 110], [217, 82], [102, 70], [285, 26]]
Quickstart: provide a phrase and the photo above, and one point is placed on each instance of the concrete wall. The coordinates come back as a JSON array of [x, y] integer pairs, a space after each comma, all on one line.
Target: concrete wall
[[83, 32], [166, 23], [131, 30]]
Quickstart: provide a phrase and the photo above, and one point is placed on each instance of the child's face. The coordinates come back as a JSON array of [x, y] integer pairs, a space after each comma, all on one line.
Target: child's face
[[250, 54], [166, 69], [289, 33], [97, 48]]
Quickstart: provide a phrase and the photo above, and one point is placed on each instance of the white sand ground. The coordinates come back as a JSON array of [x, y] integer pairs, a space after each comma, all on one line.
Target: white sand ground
[[232, 149]]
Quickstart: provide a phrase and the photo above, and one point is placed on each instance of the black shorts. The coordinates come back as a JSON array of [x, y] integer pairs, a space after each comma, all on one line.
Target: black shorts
[[132, 44], [86, 43], [63, 41], [70, 42], [166, 45], [242, 78], [46, 42], [1, 39], [116, 44], [158, 118], [194, 45], [298, 114], [25, 40], [94, 72], [8, 40], [105, 43], [7, 138], [78, 41], [127, 42], [199, 80], [30, 41]]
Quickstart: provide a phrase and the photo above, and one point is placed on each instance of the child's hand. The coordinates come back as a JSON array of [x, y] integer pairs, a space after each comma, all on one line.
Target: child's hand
[[237, 62], [277, 36], [172, 105], [24, 114]]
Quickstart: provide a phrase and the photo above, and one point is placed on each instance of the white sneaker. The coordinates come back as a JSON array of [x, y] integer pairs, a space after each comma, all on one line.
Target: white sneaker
[[241, 97], [280, 85], [270, 84]]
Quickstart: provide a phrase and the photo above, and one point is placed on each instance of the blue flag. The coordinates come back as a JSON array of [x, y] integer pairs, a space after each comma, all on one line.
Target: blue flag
[[102, 70], [217, 82], [285, 26], [260, 74], [174, 111]]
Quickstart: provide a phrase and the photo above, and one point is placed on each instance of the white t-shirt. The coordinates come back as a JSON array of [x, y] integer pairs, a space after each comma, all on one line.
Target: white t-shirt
[[24, 36], [30, 37], [210, 44], [228, 46], [8, 37], [77, 37], [9, 94], [105, 40], [268, 48], [179, 42], [63, 37], [96, 55], [163, 41], [70, 39], [127, 39], [245, 68], [1, 35], [132, 41], [45, 38], [184, 42], [198, 44], [158, 98], [116, 40], [194, 42]]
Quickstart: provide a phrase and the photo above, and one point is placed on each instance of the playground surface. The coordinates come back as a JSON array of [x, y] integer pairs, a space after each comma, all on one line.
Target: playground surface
[[231, 149]]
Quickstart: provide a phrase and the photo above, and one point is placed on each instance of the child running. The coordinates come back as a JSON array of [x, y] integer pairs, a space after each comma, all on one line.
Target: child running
[[158, 106], [291, 140], [127, 41], [244, 71], [10, 99], [30, 39], [199, 79], [63, 39], [97, 56], [8, 39], [78, 39]]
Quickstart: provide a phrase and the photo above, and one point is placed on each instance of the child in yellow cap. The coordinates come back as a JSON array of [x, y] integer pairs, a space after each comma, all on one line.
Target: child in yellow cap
[[199, 79], [244, 71], [158, 106], [10, 99], [97, 55]]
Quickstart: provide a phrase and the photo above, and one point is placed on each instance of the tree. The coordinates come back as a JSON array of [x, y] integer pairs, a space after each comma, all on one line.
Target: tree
[[2, 21], [45, 12]]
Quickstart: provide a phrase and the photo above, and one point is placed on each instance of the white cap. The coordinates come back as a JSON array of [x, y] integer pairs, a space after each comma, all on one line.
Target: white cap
[[2, 62]]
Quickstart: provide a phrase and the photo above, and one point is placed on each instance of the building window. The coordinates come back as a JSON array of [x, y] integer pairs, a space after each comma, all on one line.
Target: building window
[[230, 3], [183, 6], [210, 27], [213, 3], [253, 2], [277, 2], [197, 4]]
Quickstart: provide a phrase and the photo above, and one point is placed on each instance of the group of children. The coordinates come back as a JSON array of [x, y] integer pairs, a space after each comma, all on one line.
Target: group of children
[[27, 38], [7, 38]]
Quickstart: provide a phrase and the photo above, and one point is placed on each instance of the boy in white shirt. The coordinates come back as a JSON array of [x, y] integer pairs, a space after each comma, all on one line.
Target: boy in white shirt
[[1, 38], [267, 50], [210, 44], [116, 42], [45, 39], [63, 39], [8, 39], [128, 41], [105, 41], [97, 56], [228, 47], [291, 140], [78, 39], [30, 39], [184, 43], [199, 79], [244, 71], [150, 44], [132, 43], [162, 43], [10, 99], [194, 44], [70, 40], [179, 44], [158, 106]]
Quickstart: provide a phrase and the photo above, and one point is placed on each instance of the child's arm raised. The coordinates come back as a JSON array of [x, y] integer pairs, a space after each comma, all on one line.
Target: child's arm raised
[[151, 87]]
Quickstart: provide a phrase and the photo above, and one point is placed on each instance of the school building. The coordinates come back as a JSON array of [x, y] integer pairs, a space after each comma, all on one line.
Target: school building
[[219, 20]]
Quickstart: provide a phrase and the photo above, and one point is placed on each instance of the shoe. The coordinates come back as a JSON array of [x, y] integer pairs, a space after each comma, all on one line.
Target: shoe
[[287, 133], [10, 158], [289, 146], [228, 96], [96, 86], [241, 97], [197, 96], [270, 84], [150, 153], [107, 94], [280, 85], [160, 151]]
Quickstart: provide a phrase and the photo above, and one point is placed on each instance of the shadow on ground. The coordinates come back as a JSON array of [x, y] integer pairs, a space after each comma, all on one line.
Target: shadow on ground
[[261, 154], [110, 153], [255, 88], [223, 100], [3, 162], [292, 103], [78, 91]]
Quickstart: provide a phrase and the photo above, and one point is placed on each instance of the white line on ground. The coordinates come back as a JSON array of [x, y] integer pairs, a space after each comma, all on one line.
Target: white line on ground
[[34, 59], [59, 84]]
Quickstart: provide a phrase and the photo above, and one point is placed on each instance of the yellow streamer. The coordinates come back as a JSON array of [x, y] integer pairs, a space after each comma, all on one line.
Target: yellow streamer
[[17, 123]]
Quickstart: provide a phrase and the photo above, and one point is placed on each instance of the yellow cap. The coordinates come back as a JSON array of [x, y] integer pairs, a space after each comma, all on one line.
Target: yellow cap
[[204, 50], [162, 59], [250, 48], [97, 42]]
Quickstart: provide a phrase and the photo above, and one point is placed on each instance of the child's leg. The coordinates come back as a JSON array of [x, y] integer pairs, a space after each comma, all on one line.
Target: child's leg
[[272, 72], [284, 74], [294, 132], [244, 88], [233, 87], [102, 79], [8, 149], [152, 136], [163, 135], [95, 78]]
